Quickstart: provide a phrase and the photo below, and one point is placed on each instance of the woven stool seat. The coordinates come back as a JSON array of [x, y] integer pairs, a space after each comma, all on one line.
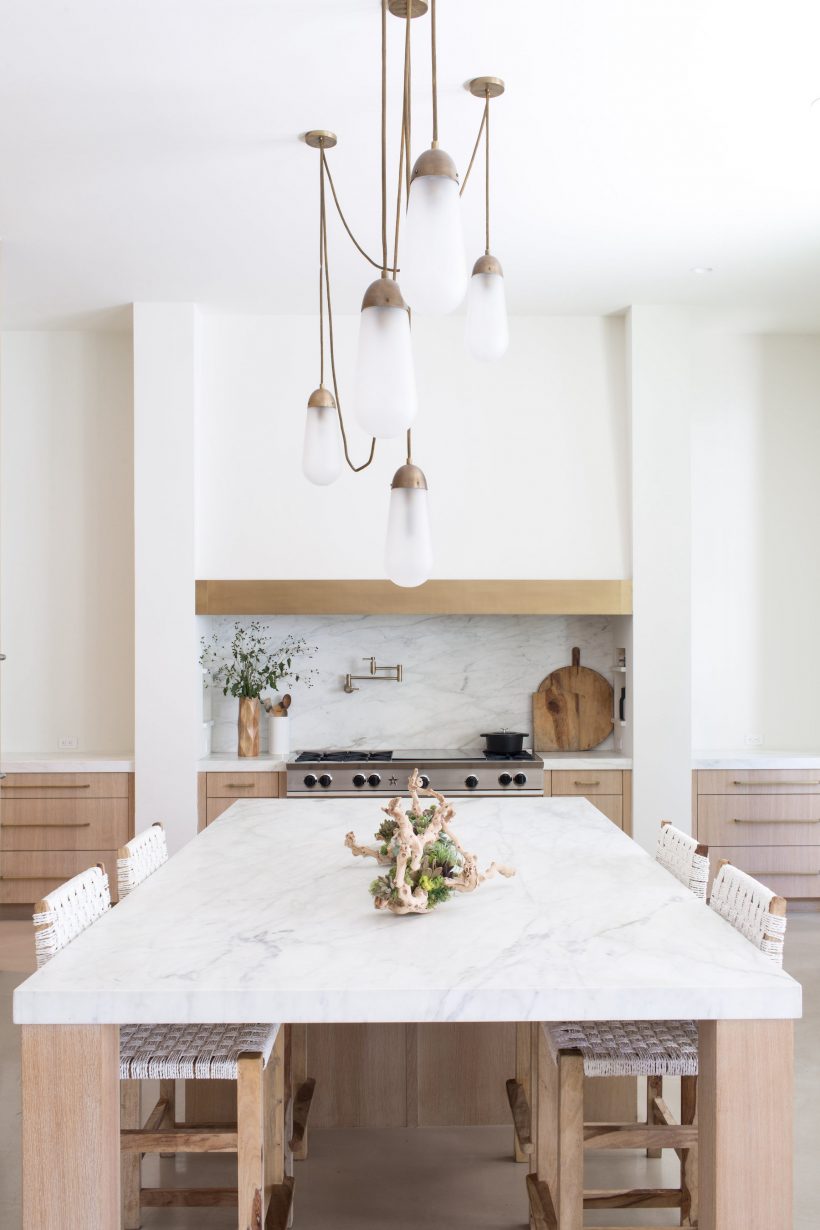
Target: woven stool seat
[[629, 1048], [186, 1052]]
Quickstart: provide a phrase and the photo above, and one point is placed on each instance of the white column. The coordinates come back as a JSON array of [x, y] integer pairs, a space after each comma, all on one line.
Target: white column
[[167, 677], [659, 356]]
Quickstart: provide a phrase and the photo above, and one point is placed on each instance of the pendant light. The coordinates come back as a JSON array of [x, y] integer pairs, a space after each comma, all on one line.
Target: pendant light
[[487, 333], [408, 552], [433, 266], [385, 396], [322, 456]]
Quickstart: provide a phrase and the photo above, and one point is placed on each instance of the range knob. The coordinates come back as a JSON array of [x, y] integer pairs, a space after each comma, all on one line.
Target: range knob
[[471, 782], [311, 780], [325, 780], [504, 779], [374, 779], [359, 780], [520, 779], [425, 781]]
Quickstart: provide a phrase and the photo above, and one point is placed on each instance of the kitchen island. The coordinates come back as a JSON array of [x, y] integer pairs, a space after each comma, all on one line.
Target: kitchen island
[[267, 917]]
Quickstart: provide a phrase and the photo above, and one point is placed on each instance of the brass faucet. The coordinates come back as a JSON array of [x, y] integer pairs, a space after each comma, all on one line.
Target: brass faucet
[[395, 677]]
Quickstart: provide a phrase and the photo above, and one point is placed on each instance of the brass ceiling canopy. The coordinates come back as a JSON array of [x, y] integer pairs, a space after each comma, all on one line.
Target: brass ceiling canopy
[[399, 8], [384, 292], [320, 138], [434, 162], [321, 399], [486, 87], [409, 476]]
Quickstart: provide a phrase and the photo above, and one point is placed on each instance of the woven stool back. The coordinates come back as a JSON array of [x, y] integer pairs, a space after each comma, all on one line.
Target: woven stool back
[[72, 907], [751, 908], [140, 857], [684, 857]]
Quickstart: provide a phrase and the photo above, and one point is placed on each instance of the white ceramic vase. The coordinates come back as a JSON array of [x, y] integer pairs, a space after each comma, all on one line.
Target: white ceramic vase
[[278, 735]]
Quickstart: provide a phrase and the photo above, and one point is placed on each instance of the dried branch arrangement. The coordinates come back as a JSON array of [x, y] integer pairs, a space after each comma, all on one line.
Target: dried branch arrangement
[[426, 862]]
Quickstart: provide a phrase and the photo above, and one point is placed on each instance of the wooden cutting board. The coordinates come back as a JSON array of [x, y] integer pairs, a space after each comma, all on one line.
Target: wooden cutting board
[[572, 709]]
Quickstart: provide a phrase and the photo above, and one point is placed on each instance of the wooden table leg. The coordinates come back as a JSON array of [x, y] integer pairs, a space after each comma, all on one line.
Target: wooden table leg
[[71, 1126], [745, 1115]]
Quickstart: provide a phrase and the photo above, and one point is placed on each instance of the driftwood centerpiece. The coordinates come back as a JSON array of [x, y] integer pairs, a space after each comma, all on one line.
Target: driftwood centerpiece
[[426, 863]]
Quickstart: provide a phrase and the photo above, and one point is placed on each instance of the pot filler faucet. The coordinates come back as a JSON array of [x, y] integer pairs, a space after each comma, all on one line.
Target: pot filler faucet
[[396, 675]]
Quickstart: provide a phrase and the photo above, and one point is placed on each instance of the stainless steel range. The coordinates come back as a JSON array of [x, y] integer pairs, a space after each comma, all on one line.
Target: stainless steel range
[[348, 774]]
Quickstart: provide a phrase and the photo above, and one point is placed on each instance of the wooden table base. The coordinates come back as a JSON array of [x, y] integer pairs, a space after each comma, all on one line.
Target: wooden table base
[[71, 1126]]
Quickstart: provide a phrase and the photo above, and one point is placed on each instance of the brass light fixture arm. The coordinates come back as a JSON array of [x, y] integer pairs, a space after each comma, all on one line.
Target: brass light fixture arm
[[356, 244]]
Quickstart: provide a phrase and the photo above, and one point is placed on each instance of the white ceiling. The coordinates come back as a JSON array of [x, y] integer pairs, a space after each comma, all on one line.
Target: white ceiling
[[149, 151]]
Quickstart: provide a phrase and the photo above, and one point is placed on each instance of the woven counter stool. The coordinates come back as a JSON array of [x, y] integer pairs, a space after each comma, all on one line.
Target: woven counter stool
[[140, 857], [688, 861], [570, 1052], [252, 1055]]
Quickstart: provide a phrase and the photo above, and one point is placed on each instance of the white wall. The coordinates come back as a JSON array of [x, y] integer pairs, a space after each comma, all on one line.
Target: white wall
[[755, 523], [526, 460], [66, 541], [660, 355], [168, 679]]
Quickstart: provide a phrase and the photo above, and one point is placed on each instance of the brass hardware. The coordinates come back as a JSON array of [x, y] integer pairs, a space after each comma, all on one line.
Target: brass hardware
[[17, 879], [70, 786], [45, 824], [434, 162], [485, 87], [320, 138], [396, 677], [488, 264], [586, 783], [738, 783], [410, 477], [778, 820], [399, 8], [783, 873], [321, 399], [384, 292], [238, 785]]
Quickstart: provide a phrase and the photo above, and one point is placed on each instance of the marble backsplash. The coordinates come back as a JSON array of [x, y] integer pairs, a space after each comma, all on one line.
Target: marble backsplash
[[462, 675]]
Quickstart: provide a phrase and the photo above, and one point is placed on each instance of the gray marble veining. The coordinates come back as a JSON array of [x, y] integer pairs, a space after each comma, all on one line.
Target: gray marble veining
[[266, 916], [462, 675]]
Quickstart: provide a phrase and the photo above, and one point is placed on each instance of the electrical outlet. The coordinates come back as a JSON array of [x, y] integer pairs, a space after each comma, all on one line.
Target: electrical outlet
[[67, 743], [753, 740]]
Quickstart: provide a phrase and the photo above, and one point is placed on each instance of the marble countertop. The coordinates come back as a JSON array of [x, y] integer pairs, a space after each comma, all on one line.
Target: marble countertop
[[749, 758], [265, 916], [225, 762], [68, 762]]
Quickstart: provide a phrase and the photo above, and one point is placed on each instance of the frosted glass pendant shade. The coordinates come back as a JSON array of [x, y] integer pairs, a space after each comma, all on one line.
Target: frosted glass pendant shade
[[486, 333], [322, 456], [385, 386], [408, 554], [433, 269]]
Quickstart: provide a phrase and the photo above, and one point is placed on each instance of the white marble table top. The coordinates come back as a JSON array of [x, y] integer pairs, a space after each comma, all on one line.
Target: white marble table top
[[265, 916]]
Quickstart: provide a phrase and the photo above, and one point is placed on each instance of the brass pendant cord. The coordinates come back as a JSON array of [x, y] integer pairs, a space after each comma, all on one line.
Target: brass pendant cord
[[485, 123], [384, 138], [356, 244], [433, 69], [404, 146], [487, 178], [324, 267]]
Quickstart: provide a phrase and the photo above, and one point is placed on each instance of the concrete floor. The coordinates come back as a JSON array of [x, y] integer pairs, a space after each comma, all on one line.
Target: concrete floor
[[451, 1178]]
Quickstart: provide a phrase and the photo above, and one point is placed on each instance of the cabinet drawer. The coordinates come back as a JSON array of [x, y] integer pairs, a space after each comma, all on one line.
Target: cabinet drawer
[[216, 807], [612, 805], [64, 824], [759, 781], [762, 820], [790, 871], [587, 781], [65, 786], [242, 785], [27, 876]]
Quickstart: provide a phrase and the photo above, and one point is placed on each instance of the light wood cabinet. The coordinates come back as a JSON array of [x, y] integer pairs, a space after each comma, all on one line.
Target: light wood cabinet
[[219, 791], [765, 821], [54, 825], [610, 790]]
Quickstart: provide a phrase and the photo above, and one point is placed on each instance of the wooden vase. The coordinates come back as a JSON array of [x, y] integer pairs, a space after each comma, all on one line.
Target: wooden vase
[[248, 726]]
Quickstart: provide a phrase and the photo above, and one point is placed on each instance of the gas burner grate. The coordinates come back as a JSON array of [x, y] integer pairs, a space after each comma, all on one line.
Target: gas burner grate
[[341, 757], [508, 756]]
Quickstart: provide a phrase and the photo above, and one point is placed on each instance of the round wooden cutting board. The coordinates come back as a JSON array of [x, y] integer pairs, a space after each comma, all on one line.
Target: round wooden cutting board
[[572, 709]]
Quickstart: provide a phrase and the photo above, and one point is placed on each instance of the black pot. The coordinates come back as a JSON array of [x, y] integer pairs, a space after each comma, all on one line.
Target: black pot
[[504, 742]]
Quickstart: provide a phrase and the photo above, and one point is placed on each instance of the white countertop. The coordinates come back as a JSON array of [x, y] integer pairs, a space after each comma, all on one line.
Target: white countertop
[[68, 762], [586, 760], [224, 762], [749, 758], [266, 916]]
